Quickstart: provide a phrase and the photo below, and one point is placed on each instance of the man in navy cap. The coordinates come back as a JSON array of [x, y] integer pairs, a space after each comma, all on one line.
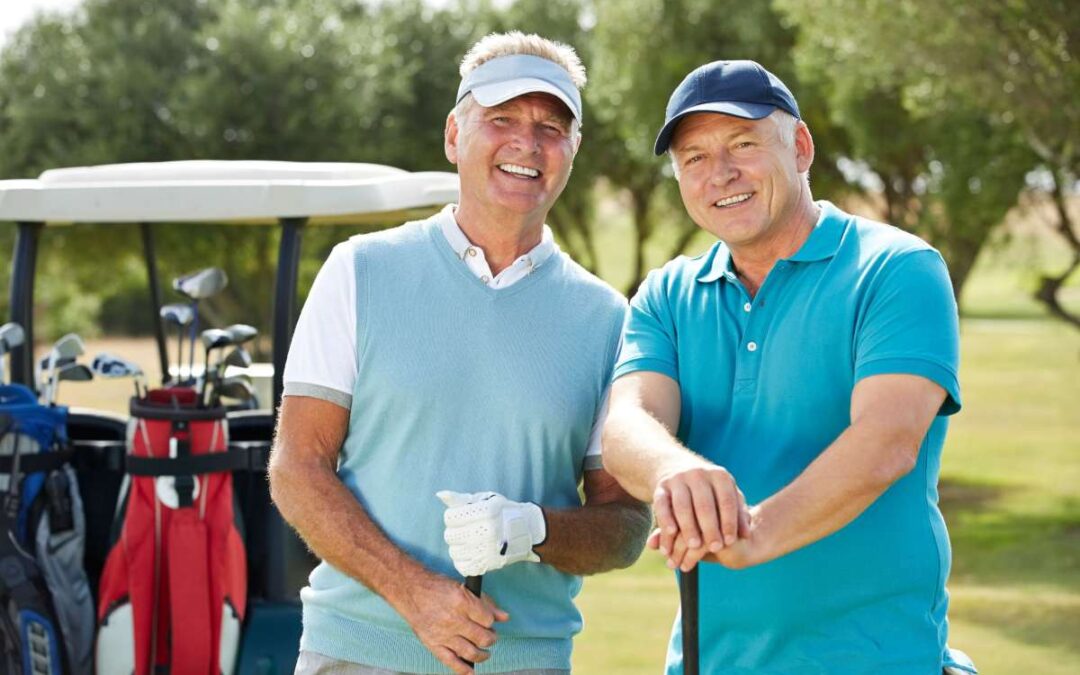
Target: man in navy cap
[[464, 355], [805, 365]]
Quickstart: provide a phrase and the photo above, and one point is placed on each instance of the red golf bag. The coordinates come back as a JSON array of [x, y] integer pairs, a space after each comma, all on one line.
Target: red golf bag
[[174, 587]]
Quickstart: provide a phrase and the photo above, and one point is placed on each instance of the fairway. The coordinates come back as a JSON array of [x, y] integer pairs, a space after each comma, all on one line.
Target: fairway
[[1009, 495]]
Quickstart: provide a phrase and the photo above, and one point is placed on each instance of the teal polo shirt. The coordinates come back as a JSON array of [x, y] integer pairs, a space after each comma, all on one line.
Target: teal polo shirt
[[766, 386]]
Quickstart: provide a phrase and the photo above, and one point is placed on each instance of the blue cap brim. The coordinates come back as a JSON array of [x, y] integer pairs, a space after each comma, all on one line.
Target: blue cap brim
[[748, 111], [488, 95]]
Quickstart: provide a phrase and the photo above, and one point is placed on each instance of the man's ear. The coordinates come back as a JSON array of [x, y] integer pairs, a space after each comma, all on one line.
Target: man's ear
[[804, 147], [450, 138]]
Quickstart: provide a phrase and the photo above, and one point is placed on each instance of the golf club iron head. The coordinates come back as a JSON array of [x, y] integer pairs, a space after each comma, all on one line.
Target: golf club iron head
[[64, 351], [11, 336], [110, 366], [234, 387], [71, 372], [201, 284], [239, 357]]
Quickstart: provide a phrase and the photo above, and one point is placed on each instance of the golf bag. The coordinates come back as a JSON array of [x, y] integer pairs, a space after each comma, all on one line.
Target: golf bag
[[174, 587], [47, 617]]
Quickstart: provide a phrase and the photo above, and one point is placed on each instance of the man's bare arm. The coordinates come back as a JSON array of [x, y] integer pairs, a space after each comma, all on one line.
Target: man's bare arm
[[689, 494], [306, 489], [890, 415], [607, 532]]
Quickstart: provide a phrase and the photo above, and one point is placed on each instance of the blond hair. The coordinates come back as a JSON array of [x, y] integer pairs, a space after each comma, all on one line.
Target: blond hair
[[514, 43], [517, 43]]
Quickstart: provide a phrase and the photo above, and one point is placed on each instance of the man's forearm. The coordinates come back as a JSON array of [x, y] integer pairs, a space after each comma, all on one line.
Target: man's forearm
[[336, 528], [639, 450], [594, 539]]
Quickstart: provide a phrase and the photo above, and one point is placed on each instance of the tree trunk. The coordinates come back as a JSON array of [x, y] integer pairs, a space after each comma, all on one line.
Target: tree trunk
[[1050, 285], [639, 199]]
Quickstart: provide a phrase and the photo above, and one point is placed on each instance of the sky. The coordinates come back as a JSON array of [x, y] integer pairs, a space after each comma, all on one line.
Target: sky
[[14, 13]]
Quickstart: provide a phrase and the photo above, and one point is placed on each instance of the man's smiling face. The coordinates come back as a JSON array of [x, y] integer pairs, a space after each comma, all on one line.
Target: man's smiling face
[[513, 158], [740, 179]]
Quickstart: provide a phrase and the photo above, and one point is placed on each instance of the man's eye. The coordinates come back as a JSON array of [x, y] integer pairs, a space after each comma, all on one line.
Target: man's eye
[[743, 145], [553, 130], [693, 159]]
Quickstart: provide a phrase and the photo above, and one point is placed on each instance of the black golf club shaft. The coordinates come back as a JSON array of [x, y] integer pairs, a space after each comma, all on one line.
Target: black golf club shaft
[[474, 585], [688, 598]]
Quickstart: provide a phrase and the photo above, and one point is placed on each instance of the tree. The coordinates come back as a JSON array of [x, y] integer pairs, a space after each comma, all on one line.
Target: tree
[[988, 89], [641, 51]]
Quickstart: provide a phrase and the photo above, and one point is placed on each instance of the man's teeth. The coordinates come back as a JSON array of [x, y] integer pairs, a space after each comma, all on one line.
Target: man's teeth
[[519, 170], [735, 199]]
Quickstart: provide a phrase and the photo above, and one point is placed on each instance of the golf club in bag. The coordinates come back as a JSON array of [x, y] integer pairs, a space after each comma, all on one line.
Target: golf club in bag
[[47, 622], [11, 336], [688, 602], [173, 590]]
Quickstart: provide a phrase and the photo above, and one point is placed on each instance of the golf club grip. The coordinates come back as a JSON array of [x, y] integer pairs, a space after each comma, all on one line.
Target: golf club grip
[[688, 599], [474, 584]]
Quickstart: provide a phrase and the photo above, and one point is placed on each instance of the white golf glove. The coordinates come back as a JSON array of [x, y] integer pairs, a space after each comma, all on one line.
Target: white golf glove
[[487, 531]]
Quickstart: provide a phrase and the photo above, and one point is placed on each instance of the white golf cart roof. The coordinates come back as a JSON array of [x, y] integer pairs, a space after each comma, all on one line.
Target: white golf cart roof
[[222, 191]]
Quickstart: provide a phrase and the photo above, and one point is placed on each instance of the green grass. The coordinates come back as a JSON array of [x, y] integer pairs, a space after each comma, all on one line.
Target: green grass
[[1009, 493]]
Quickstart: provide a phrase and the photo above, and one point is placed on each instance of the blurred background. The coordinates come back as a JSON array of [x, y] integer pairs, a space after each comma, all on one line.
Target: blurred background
[[957, 121]]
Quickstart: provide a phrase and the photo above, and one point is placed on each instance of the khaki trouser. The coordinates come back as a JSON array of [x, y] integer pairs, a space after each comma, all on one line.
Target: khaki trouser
[[313, 663]]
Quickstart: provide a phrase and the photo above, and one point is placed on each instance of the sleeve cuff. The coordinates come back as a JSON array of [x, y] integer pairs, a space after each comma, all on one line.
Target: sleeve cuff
[[936, 373], [646, 363], [317, 391]]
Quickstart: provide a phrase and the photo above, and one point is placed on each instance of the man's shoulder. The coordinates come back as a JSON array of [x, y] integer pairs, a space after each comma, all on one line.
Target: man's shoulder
[[877, 238], [588, 284], [412, 233], [679, 276]]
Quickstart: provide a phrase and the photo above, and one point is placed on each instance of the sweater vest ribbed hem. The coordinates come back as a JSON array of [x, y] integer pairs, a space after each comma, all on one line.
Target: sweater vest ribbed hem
[[347, 640]]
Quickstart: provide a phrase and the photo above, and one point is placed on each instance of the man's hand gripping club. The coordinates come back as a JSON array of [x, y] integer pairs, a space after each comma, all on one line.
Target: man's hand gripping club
[[486, 531]]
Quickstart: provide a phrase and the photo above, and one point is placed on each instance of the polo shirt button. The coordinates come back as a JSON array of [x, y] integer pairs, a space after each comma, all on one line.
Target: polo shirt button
[[485, 278], [470, 251], [751, 346], [746, 307]]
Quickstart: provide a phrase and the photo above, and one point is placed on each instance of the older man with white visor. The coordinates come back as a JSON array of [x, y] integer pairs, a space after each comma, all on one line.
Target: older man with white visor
[[465, 355]]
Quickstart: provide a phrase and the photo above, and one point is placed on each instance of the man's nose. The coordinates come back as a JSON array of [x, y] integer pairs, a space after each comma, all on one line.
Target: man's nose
[[527, 139], [723, 170]]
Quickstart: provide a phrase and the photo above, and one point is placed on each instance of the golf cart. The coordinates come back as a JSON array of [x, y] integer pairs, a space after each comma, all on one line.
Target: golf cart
[[288, 195]]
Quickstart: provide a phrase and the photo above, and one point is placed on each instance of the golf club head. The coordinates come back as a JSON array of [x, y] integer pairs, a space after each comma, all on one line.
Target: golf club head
[[201, 284], [213, 338], [239, 358], [177, 314], [68, 347], [111, 366], [236, 387], [242, 332], [43, 364], [74, 372], [11, 336]]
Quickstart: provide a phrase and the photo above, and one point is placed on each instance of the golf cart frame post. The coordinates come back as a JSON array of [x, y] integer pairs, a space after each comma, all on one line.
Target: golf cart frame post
[[290, 195]]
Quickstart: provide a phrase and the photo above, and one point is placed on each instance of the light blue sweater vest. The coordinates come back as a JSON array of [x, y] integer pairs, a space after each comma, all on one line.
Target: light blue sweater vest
[[462, 387]]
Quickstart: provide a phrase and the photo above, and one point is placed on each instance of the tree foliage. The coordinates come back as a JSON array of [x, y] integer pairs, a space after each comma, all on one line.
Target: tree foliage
[[940, 127], [952, 105]]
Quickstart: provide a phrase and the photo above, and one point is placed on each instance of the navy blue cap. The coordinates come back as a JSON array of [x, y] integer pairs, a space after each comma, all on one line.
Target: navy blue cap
[[739, 88]]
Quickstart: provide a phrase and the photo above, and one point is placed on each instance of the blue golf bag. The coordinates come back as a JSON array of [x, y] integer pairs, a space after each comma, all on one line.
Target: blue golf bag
[[46, 608]]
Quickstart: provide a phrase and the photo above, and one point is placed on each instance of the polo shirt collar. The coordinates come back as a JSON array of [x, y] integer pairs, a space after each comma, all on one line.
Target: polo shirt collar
[[824, 239], [822, 244]]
